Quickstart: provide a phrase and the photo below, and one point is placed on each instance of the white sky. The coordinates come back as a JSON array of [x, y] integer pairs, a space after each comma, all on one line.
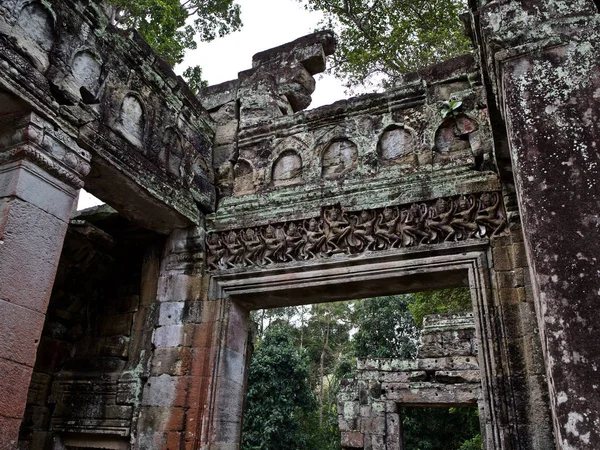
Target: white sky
[[267, 24]]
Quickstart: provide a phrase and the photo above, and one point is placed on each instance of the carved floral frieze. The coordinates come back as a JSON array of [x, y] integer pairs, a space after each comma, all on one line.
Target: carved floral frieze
[[459, 218]]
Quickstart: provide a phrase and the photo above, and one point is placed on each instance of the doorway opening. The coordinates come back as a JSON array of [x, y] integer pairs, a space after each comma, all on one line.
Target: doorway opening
[[440, 428], [312, 376]]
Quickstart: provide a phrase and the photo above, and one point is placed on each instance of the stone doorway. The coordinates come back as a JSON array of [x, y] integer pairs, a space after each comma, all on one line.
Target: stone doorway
[[412, 270]]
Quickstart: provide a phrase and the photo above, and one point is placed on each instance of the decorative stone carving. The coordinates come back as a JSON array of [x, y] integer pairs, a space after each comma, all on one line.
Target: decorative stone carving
[[395, 144], [244, 177], [131, 120], [287, 169], [455, 137], [446, 219], [339, 157], [35, 25], [171, 155], [87, 70]]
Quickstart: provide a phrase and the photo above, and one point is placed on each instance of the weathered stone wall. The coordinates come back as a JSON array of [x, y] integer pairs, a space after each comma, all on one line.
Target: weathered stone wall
[[106, 90], [542, 60], [445, 373], [374, 194], [373, 177], [94, 352]]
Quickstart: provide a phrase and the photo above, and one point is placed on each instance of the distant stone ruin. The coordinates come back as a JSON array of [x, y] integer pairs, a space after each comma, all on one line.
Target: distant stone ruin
[[445, 373], [126, 326]]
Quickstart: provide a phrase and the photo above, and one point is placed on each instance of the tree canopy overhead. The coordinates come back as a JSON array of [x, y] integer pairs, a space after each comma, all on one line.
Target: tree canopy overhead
[[379, 40], [172, 26]]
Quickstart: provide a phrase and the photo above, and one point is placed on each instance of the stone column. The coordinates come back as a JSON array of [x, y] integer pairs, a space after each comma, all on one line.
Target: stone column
[[40, 170], [195, 390], [544, 61]]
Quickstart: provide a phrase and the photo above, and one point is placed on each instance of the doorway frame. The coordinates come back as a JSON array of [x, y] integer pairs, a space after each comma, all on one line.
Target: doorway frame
[[405, 270]]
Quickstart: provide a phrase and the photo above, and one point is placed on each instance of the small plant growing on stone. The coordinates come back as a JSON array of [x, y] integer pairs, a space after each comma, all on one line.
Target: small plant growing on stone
[[450, 107]]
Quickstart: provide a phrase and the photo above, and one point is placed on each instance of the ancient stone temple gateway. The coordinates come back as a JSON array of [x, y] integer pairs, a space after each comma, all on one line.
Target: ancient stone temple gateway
[[126, 326]]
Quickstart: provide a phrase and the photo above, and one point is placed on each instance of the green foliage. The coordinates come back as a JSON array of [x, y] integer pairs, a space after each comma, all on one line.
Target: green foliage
[[386, 328], [450, 107], [379, 40], [193, 76], [472, 444], [278, 396], [445, 301], [172, 26], [440, 428]]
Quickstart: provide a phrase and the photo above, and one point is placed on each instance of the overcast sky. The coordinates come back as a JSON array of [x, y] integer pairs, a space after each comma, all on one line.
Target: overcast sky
[[267, 24]]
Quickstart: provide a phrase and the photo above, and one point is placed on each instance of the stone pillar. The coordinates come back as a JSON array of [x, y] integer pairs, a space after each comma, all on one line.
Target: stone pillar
[[40, 170], [543, 57], [194, 395]]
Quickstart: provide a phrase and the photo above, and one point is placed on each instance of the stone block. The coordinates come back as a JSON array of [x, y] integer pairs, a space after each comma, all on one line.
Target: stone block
[[353, 439], [161, 418], [31, 244], [51, 354], [372, 425], [20, 330], [33, 185], [229, 400], [174, 439], [237, 328], [39, 388], [457, 376], [176, 286], [227, 434], [502, 258], [172, 361], [171, 313], [9, 432], [14, 385], [168, 336], [165, 390]]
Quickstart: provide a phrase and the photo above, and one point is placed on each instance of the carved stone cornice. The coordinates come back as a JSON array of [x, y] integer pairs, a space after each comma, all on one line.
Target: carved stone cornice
[[458, 218], [28, 136]]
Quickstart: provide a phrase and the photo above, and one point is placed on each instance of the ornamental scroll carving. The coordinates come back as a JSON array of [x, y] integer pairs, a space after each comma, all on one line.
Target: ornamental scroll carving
[[336, 231]]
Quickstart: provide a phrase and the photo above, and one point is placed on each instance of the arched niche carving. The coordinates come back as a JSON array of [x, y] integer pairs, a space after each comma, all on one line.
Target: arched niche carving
[[35, 26], [87, 70], [244, 177], [287, 169], [131, 119], [395, 144], [171, 153], [340, 156], [455, 137]]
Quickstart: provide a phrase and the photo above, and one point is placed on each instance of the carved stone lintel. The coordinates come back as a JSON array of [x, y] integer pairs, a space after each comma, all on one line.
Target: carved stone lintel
[[446, 219], [28, 136], [185, 251]]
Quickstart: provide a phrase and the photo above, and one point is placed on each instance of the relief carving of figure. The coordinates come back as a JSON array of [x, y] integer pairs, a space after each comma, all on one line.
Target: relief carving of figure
[[215, 251], [337, 227], [446, 219], [293, 242], [385, 227], [315, 238], [439, 220], [253, 246], [488, 214], [274, 244], [234, 251], [363, 231], [462, 221], [411, 227]]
